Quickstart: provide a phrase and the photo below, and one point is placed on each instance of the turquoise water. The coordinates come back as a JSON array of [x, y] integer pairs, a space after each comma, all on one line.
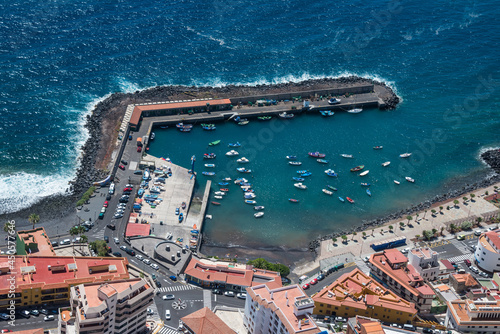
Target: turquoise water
[[266, 144]]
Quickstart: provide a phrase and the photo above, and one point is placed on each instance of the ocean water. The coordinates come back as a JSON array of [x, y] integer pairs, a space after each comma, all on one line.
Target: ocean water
[[58, 58]]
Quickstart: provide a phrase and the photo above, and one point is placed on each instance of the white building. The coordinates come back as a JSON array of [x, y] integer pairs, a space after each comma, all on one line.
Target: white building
[[116, 307], [425, 262], [488, 251], [281, 310], [467, 316]]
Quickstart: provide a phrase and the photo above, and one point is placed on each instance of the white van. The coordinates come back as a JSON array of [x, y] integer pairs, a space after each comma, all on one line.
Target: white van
[[65, 242], [112, 188]]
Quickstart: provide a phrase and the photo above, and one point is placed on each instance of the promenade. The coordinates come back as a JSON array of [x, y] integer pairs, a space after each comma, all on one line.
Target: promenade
[[359, 246]]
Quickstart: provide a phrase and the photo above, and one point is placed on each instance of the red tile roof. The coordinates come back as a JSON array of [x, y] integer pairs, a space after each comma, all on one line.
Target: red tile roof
[[205, 321], [494, 238], [136, 229], [447, 264]]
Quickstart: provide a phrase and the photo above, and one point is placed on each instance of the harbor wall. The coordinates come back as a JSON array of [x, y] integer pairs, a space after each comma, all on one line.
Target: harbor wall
[[201, 218]]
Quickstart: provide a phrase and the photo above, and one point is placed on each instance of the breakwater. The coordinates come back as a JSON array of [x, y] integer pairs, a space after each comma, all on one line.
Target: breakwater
[[491, 157]]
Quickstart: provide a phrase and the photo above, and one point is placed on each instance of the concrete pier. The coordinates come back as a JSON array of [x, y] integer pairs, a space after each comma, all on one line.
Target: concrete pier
[[203, 210]]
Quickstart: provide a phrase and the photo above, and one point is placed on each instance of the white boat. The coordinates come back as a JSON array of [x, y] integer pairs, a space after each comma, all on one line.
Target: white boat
[[208, 217], [218, 197], [220, 193], [226, 179], [300, 186], [249, 201], [286, 115], [259, 207], [250, 196], [409, 179], [397, 182], [387, 163], [326, 191], [243, 160], [348, 156], [364, 173], [355, 111], [232, 153], [258, 214], [405, 155]]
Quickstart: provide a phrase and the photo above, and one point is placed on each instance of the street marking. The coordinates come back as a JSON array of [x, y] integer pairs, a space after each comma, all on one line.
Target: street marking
[[207, 299], [177, 288], [461, 258], [350, 264], [168, 330]]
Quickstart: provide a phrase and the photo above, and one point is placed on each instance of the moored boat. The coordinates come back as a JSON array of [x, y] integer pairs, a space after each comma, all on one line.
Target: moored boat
[[209, 128], [368, 192], [322, 161], [291, 157], [184, 126], [299, 179], [210, 165], [185, 129], [405, 155], [243, 160], [341, 199], [302, 171], [224, 189], [237, 144], [409, 179], [357, 169], [365, 184], [152, 137], [215, 203], [209, 156], [378, 147], [385, 164], [331, 187], [232, 153], [250, 201], [218, 197], [306, 174], [215, 142], [223, 183], [295, 163], [293, 200], [347, 156], [208, 173], [259, 207], [243, 170], [326, 191], [326, 113], [355, 111], [286, 115], [258, 214], [316, 155], [331, 172], [243, 123], [350, 200], [226, 179], [219, 193], [397, 182], [300, 186], [264, 118], [364, 173]]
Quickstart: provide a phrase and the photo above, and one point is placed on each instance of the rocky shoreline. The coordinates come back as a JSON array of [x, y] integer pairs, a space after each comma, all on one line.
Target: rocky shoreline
[[491, 157]]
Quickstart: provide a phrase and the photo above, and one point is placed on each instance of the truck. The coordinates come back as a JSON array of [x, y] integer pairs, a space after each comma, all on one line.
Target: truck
[[139, 142]]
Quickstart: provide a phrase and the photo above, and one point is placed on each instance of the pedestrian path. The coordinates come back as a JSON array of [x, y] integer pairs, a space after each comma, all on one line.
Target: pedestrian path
[[362, 266], [460, 246], [207, 299], [168, 330], [99, 234], [180, 287], [156, 315], [461, 258]]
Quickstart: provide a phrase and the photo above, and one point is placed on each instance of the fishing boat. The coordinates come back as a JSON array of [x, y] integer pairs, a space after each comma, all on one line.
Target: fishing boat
[[184, 126], [333, 101], [300, 186], [322, 161], [341, 199], [249, 195], [258, 214], [293, 200], [207, 125], [316, 155], [224, 189], [218, 197], [259, 207], [387, 163], [145, 175], [364, 173], [250, 201], [140, 192], [347, 156], [405, 155], [185, 129], [210, 165], [209, 156], [219, 193], [215, 142], [264, 118], [331, 172], [223, 183], [286, 115], [397, 182], [291, 157], [355, 111], [326, 113], [306, 174], [240, 180], [365, 184], [232, 153], [237, 144], [331, 187], [152, 137], [302, 171], [243, 170], [209, 128], [326, 191], [378, 147], [409, 179], [350, 200], [295, 163], [243, 160], [368, 192], [215, 203], [243, 123], [298, 179], [226, 179], [357, 169]]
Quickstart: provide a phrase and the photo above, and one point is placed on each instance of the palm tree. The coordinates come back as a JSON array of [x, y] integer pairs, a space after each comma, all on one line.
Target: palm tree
[[74, 231], [334, 240], [9, 226], [425, 212], [34, 219], [440, 209], [433, 212], [401, 225], [409, 218], [416, 217], [353, 235], [455, 202], [453, 228], [442, 230], [373, 231], [479, 220], [344, 237], [391, 227]]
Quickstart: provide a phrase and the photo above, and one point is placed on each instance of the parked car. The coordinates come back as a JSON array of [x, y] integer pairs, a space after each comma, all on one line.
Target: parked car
[[477, 232], [139, 257], [117, 254], [24, 314], [217, 292], [366, 259], [314, 281], [474, 269], [123, 200], [118, 215], [49, 317], [340, 319], [111, 227], [54, 243], [106, 238], [146, 261], [305, 286], [103, 209], [467, 262], [427, 331], [321, 277], [108, 197], [4, 316], [155, 266], [173, 278], [121, 167], [482, 273], [101, 215], [229, 293], [168, 297], [123, 247], [127, 189], [150, 311], [409, 327], [116, 240], [461, 237], [106, 203], [241, 295], [44, 311], [111, 189], [65, 242], [125, 162], [138, 172]]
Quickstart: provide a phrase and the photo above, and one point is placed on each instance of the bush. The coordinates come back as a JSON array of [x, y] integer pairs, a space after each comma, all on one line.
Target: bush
[[428, 235], [86, 196], [264, 264], [466, 225], [100, 247]]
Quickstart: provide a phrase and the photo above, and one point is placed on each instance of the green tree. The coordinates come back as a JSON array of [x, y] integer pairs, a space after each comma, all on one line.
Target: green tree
[[466, 225], [479, 220], [282, 269], [334, 240], [401, 225], [353, 235], [364, 234], [34, 219], [440, 209], [453, 228], [442, 230], [416, 216], [434, 231], [391, 228], [472, 196], [455, 202], [9, 226], [409, 218], [260, 263], [433, 212], [99, 247], [425, 212], [344, 238], [427, 235], [465, 199], [486, 193], [74, 231]]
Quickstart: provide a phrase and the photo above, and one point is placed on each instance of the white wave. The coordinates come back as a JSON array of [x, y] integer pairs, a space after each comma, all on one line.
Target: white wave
[[127, 86], [22, 190], [220, 41]]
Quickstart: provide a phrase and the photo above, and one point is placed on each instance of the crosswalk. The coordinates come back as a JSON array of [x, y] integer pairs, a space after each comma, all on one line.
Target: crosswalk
[[99, 234], [179, 287], [168, 330], [461, 258], [461, 246]]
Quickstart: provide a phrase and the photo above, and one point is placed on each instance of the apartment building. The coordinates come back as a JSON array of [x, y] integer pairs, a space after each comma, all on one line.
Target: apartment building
[[117, 307], [425, 262], [467, 316], [487, 252]]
